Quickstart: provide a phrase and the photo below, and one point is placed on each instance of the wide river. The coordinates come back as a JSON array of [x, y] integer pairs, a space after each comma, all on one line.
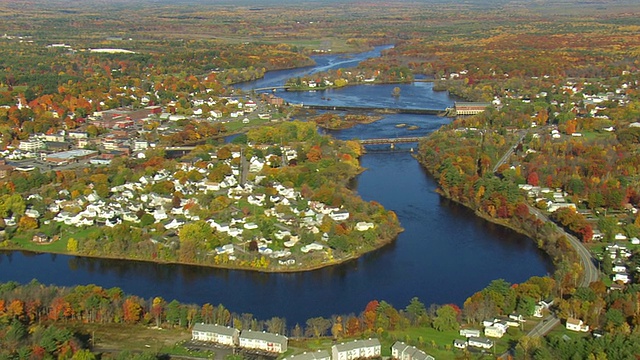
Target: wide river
[[444, 255]]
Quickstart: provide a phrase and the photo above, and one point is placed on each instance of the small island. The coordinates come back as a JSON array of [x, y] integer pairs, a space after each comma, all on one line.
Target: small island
[[338, 122]]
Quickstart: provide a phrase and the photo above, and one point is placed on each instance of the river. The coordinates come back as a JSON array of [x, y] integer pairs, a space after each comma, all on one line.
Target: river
[[444, 255]]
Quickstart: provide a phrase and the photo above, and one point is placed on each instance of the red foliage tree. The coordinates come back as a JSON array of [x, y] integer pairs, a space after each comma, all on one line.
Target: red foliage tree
[[533, 179], [370, 314]]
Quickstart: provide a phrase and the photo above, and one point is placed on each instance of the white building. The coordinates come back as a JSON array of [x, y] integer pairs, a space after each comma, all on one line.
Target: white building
[[357, 349], [402, 351], [31, 145], [576, 325], [480, 342], [222, 335], [265, 341]]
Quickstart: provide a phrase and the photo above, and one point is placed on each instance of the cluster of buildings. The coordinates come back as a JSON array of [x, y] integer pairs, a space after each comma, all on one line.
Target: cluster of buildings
[[619, 254], [124, 131], [553, 199], [247, 339], [264, 342], [125, 203], [495, 328]]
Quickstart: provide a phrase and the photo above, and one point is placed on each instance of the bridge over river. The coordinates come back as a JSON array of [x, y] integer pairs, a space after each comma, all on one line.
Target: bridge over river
[[385, 110], [393, 140]]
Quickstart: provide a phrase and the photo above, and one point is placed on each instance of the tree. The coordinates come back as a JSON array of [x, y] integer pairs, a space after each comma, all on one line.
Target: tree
[[446, 319], [72, 245], [132, 310], [528, 343], [532, 179], [317, 326], [83, 354], [337, 329], [157, 309], [415, 310]]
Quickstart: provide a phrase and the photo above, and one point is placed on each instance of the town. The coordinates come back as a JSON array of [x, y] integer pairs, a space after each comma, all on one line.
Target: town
[[135, 150]]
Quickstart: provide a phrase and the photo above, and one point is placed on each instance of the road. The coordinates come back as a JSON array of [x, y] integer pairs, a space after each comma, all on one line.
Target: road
[[509, 152], [590, 272]]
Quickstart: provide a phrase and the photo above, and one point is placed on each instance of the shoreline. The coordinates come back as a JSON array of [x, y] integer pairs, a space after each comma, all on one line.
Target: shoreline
[[489, 219], [378, 246]]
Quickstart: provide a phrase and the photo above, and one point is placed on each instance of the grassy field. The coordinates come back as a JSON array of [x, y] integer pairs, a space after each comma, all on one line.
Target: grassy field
[[120, 337], [24, 239]]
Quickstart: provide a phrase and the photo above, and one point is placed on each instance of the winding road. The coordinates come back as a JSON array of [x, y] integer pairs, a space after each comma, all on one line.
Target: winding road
[[590, 272]]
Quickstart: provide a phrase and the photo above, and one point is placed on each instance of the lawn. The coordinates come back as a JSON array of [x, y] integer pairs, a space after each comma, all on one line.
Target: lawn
[[23, 239], [439, 344]]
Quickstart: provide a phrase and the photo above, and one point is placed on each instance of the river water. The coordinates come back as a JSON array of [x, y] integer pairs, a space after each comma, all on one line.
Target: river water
[[444, 255]]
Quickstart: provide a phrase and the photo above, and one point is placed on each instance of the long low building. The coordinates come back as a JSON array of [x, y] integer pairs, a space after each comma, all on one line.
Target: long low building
[[218, 334], [357, 349], [470, 108], [264, 341], [247, 339], [71, 156]]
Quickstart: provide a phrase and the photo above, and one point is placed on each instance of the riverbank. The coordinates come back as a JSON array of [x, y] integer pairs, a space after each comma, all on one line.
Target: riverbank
[[311, 267], [527, 226]]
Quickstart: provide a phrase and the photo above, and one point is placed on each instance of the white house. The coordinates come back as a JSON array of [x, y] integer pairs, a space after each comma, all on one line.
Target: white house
[[624, 277], [480, 342], [222, 335], [459, 344], [339, 215], [402, 351], [494, 331], [357, 349], [269, 342], [311, 247], [364, 226], [576, 325], [470, 332]]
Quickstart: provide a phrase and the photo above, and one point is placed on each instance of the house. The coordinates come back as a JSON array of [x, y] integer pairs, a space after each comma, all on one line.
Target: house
[[41, 238], [480, 342], [494, 331], [546, 303], [318, 355], [619, 269], [357, 349], [459, 344], [339, 215], [624, 277], [620, 237], [402, 351], [264, 341], [364, 226], [470, 332], [217, 334], [576, 325]]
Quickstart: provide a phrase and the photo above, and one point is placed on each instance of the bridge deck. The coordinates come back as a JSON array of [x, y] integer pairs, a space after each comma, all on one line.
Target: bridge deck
[[398, 140]]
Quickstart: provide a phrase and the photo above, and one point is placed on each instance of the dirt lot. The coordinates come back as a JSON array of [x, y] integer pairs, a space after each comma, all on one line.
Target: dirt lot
[[118, 337]]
